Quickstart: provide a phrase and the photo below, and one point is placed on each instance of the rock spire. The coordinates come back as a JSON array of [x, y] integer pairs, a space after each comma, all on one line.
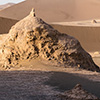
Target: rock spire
[[32, 13]]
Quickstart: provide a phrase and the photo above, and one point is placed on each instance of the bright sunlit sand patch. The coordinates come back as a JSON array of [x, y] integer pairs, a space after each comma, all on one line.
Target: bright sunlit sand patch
[[94, 23], [96, 57], [95, 54]]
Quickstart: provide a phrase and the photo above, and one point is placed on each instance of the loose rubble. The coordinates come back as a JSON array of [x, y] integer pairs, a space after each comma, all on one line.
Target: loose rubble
[[77, 93]]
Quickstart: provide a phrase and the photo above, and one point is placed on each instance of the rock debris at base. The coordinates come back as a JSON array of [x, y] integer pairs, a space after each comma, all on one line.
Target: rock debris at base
[[77, 93]]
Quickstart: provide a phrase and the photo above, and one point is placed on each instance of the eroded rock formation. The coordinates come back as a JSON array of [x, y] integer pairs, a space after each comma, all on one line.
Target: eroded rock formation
[[32, 37], [77, 93]]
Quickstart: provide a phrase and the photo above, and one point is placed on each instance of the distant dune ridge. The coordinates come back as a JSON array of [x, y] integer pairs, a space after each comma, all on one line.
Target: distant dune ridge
[[32, 38], [6, 24], [66, 10], [55, 11], [88, 36], [6, 5]]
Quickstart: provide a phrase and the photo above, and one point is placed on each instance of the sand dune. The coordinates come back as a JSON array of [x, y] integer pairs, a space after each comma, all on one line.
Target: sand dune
[[89, 37], [6, 5], [40, 85], [85, 23], [17, 82], [6, 24], [57, 10]]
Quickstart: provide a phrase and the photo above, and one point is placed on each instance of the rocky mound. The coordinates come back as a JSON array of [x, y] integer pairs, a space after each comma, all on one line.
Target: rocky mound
[[77, 93], [32, 37], [94, 21]]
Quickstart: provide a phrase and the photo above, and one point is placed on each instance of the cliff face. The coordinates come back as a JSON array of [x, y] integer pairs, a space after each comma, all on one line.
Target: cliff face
[[32, 37]]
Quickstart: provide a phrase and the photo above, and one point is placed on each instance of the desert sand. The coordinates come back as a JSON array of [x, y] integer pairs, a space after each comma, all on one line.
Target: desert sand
[[61, 11], [29, 71], [35, 80], [6, 6], [85, 23], [85, 31], [6, 24], [35, 66], [88, 36]]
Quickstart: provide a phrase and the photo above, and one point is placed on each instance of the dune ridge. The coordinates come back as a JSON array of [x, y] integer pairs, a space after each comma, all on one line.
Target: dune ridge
[[6, 24], [89, 37], [6, 5], [55, 11]]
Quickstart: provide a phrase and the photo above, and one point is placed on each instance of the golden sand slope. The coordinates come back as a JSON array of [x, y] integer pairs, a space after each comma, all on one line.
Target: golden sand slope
[[56, 10], [6, 24], [89, 37], [6, 5]]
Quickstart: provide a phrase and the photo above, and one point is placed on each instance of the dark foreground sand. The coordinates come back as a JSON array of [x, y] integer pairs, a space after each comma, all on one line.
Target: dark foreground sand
[[39, 85], [25, 85], [41, 81], [65, 81]]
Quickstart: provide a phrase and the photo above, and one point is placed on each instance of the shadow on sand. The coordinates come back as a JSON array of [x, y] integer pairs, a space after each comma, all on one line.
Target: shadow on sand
[[27, 85], [65, 81]]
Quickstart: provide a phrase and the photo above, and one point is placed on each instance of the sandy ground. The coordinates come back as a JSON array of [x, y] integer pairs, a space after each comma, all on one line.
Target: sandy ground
[[84, 23], [97, 60], [6, 24], [26, 85], [6, 5], [39, 85], [56, 11], [36, 80], [39, 80], [88, 36]]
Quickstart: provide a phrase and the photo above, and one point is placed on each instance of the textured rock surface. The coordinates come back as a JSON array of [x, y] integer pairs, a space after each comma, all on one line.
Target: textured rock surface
[[77, 93], [32, 37]]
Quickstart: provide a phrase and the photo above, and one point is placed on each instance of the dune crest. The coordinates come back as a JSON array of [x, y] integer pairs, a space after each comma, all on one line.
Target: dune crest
[[32, 38], [6, 24], [55, 11], [6, 5]]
